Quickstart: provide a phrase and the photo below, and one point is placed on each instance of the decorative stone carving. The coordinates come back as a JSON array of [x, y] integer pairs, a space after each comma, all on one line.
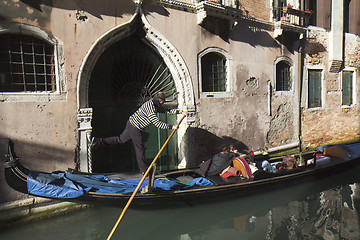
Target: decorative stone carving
[[174, 62], [85, 129], [84, 118]]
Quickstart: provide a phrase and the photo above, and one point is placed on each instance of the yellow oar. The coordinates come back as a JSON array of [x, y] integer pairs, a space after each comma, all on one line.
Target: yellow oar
[[142, 180]]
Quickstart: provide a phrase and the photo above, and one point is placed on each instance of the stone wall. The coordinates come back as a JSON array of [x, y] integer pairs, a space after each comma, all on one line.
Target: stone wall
[[331, 122]]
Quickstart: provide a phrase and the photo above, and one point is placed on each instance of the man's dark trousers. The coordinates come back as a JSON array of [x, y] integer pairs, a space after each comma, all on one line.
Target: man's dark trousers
[[134, 134]]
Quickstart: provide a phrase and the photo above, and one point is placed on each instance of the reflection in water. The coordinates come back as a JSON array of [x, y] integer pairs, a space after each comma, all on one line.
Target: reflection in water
[[335, 216], [327, 215], [320, 209], [330, 214]]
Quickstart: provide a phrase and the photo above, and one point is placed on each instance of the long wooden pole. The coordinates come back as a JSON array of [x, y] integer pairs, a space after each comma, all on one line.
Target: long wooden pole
[[142, 180]]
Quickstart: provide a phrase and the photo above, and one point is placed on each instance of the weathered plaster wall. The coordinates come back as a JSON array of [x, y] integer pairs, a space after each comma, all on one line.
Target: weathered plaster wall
[[245, 115], [45, 132]]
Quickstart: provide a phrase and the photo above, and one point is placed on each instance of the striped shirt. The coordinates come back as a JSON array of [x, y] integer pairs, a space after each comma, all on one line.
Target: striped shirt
[[146, 115]]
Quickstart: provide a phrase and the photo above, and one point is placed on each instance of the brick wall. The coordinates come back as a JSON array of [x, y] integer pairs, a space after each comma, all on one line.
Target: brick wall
[[321, 127], [256, 8], [332, 122]]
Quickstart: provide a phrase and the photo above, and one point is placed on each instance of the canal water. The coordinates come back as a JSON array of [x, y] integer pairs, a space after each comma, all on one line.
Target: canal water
[[321, 209]]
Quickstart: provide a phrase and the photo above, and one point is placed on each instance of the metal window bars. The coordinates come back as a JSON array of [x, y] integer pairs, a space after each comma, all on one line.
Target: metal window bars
[[213, 73], [26, 64], [283, 79]]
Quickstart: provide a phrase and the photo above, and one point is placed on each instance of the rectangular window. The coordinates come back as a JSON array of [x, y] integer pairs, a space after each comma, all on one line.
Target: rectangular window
[[213, 73], [214, 67], [347, 88], [26, 64], [314, 88], [283, 76]]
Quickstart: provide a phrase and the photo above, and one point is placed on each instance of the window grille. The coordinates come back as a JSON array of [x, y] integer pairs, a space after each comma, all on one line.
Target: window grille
[[314, 88], [283, 81], [26, 64], [347, 88], [213, 72]]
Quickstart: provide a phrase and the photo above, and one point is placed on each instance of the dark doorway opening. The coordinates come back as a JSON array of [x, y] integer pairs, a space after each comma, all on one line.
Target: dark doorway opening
[[126, 75]]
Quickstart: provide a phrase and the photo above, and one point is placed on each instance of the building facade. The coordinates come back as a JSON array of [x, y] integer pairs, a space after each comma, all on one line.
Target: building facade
[[268, 74]]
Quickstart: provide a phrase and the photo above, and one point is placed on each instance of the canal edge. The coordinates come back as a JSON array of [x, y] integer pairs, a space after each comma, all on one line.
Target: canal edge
[[32, 209]]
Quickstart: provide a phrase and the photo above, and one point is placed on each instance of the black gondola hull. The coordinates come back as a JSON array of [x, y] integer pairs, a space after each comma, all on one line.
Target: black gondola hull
[[15, 175]]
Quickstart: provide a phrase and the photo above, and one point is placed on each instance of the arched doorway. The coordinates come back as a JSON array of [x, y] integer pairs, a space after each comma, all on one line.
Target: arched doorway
[[155, 41], [126, 75]]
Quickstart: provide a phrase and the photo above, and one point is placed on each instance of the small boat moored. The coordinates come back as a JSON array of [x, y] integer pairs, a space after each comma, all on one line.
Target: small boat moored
[[177, 187]]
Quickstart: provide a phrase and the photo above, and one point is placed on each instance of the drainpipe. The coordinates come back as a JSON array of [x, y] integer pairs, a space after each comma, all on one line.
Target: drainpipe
[[301, 56]]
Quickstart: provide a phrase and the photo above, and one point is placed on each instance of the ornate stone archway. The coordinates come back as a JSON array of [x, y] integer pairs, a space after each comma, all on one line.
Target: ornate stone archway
[[168, 52]]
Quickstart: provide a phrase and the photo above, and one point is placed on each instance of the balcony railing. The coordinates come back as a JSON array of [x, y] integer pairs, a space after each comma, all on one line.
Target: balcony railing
[[292, 15], [228, 3]]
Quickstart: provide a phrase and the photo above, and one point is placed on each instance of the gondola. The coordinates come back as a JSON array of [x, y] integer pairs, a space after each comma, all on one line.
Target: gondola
[[177, 187]]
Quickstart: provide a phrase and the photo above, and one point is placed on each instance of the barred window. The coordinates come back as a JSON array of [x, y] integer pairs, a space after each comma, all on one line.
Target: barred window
[[213, 66], [26, 64], [314, 88], [347, 88], [283, 80]]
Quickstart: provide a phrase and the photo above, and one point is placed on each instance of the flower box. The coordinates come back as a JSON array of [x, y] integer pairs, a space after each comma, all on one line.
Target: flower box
[[297, 12]]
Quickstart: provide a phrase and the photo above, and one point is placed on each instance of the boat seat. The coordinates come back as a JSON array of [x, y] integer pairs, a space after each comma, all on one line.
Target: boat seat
[[185, 179]]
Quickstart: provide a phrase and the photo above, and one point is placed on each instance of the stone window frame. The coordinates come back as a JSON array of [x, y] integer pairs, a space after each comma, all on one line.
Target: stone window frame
[[306, 89], [354, 90], [290, 62], [228, 64], [44, 96]]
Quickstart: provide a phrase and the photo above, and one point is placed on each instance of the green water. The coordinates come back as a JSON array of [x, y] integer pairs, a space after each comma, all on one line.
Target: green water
[[321, 209]]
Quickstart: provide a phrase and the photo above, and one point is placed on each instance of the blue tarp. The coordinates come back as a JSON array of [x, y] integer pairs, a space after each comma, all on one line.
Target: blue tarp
[[68, 185]]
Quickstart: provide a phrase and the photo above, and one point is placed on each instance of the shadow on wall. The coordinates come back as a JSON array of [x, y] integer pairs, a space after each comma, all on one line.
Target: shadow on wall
[[114, 8], [35, 157], [252, 36], [240, 33], [290, 40], [202, 145]]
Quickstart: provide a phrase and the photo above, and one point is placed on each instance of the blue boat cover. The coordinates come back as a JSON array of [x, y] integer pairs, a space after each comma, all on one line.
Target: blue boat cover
[[69, 185]]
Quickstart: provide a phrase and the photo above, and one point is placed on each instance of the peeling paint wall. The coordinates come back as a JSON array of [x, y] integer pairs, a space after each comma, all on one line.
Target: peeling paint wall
[[282, 124], [46, 132], [244, 116], [45, 129], [79, 24]]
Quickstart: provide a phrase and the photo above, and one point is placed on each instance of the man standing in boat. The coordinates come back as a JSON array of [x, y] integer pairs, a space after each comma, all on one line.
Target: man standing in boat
[[137, 123]]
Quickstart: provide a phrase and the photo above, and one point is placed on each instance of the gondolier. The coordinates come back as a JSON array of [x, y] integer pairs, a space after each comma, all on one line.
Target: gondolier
[[180, 186], [137, 123]]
